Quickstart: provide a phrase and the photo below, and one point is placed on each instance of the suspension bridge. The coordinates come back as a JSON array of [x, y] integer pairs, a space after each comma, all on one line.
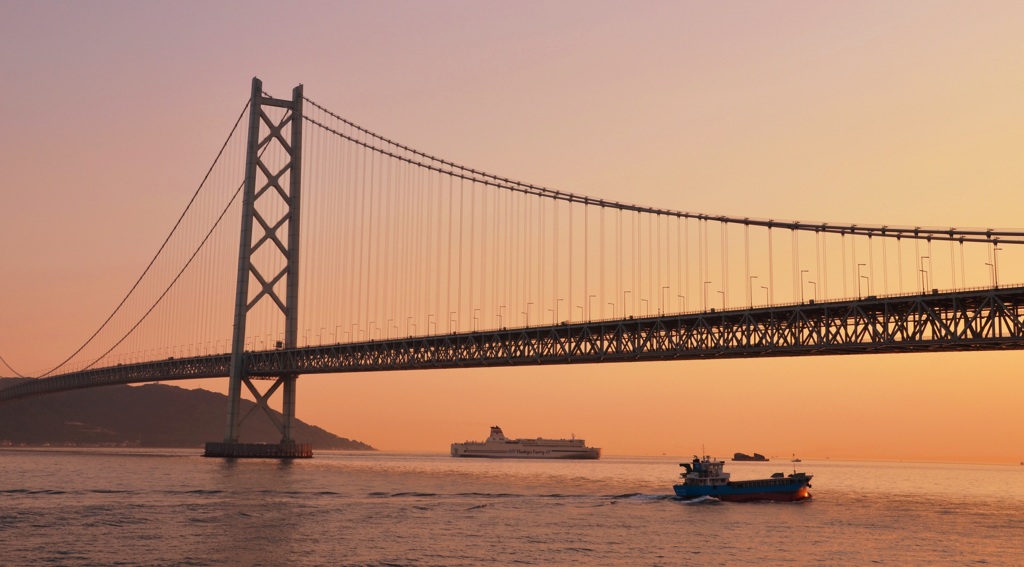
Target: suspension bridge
[[411, 261]]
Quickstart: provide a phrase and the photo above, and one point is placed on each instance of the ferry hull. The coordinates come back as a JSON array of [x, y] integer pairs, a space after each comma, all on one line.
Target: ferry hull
[[525, 454], [576, 456]]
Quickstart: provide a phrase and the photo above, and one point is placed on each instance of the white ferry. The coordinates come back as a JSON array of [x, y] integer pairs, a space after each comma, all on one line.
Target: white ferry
[[497, 446]]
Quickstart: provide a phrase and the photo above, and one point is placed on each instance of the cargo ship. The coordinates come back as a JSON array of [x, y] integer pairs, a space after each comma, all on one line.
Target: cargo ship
[[705, 477], [497, 446]]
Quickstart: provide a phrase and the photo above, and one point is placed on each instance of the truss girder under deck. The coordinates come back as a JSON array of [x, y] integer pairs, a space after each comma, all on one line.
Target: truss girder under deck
[[991, 319], [977, 320]]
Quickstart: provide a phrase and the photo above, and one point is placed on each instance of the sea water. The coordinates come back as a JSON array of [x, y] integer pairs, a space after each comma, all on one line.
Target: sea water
[[173, 507]]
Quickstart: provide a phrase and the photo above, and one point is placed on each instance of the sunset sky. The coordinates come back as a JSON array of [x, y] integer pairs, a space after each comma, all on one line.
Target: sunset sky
[[906, 113]]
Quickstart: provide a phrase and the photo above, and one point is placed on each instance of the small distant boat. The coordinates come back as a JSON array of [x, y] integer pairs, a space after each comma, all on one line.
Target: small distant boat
[[705, 477], [795, 460], [497, 446]]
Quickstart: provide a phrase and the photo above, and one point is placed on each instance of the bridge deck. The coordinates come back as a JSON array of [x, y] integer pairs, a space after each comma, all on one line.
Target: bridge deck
[[990, 319]]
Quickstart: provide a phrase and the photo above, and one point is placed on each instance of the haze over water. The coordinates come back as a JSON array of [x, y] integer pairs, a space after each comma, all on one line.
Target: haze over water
[[173, 507]]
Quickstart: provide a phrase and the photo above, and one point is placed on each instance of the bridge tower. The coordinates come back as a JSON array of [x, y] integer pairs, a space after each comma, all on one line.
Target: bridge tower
[[270, 201]]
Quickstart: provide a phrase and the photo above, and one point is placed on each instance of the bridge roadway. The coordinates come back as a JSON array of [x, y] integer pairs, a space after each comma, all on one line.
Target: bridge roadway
[[972, 320]]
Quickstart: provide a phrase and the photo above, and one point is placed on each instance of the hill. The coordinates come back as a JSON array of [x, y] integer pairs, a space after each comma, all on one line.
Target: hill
[[151, 415]]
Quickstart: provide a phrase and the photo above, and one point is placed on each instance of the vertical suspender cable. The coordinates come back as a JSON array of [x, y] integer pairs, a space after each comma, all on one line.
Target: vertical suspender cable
[[885, 265], [899, 260], [842, 242], [603, 297], [686, 260], [871, 266], [448, 287], [746, 265], [586, 260], [771, 268], [462, 216], [963, 264], [917, 263], [952, 265]]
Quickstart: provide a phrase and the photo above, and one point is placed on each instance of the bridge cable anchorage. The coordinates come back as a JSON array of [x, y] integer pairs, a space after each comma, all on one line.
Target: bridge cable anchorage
[[1005, 236], [155, 256]]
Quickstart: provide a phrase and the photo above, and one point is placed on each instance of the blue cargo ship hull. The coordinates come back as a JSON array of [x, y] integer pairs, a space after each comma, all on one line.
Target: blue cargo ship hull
[[778, 489]]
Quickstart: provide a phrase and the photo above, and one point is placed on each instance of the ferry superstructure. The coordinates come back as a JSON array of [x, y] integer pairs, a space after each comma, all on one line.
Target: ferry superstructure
[[497, 446]]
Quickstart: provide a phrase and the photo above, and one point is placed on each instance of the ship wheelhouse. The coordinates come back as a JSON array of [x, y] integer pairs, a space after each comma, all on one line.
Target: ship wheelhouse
[[705, 472]]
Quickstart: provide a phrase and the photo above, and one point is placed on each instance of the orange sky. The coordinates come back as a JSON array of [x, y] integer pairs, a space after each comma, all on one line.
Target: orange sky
[[869, 112]]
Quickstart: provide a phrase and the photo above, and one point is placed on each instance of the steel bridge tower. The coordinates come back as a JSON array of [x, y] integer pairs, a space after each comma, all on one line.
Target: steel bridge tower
[[271, 199]]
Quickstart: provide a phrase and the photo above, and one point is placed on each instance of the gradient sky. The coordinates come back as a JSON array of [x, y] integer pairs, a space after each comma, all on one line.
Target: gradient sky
[[903, 113]]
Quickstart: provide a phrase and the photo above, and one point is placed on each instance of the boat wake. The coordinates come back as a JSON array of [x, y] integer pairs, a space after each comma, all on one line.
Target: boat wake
[[641, 496], [626, 497], [699, 500]]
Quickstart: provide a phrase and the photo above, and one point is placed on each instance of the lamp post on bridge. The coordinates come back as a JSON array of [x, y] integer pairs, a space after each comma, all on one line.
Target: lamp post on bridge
[[613, 309], [860, 293], [723, 298], [647, 306], [767, 301], [682, 303], [802, 272], [815, 298], [924, 273], [751, 289]]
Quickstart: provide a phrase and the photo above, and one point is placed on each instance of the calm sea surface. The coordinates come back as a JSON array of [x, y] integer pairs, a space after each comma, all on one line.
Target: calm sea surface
[[172, 507]]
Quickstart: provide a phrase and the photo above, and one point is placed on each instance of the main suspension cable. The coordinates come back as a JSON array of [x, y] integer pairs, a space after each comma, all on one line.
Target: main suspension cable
[[924, 233]]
